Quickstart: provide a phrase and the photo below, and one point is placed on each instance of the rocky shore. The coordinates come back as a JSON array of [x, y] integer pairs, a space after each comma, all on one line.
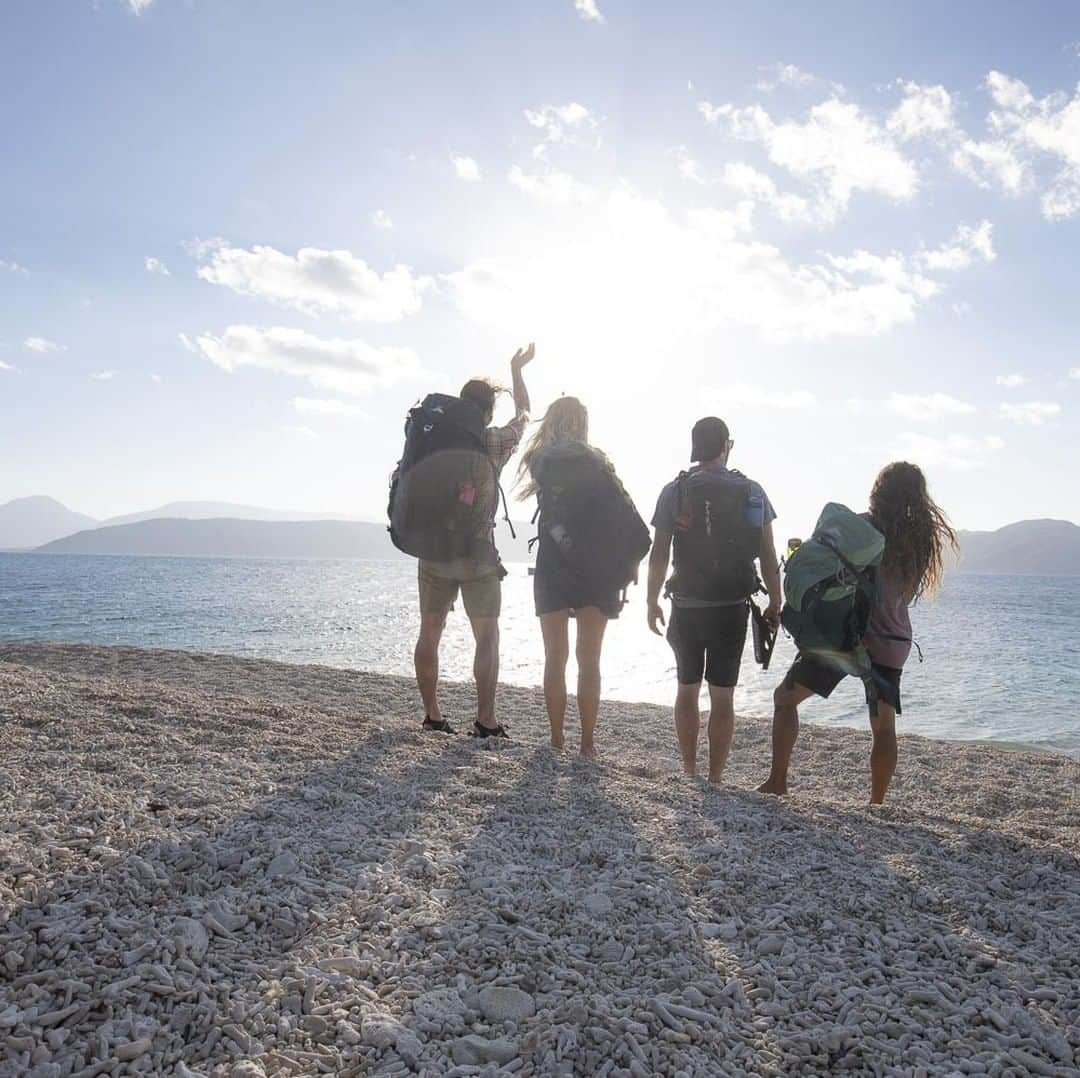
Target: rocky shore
[[212, 866]]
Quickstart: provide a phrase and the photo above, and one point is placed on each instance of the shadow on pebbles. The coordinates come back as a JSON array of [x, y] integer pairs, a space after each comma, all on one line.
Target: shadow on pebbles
[[212, 866]]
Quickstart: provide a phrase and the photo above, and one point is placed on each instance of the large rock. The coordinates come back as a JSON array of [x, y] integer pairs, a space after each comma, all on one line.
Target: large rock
[[192, 939], [505, 1004], [285, 864], [476, 1051], [439, 1005], [383, 1031]]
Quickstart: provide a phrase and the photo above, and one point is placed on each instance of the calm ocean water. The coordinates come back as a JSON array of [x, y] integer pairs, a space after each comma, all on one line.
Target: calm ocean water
[[1002, 654]]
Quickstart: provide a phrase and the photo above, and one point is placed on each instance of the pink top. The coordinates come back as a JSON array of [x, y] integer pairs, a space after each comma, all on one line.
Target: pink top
[[888, 636]]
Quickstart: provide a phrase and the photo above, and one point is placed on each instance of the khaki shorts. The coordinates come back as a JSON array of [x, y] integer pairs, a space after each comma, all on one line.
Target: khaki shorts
[[480, 585]]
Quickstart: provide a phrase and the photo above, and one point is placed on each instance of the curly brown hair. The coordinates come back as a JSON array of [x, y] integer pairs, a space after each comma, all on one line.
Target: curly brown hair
[[917, 531]]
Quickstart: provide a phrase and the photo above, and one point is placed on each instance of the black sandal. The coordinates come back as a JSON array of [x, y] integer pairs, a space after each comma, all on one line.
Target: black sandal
[[440, 727], [489, 731]]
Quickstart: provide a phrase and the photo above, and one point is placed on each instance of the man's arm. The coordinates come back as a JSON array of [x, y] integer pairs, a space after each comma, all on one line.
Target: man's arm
[[522, 358], [770, 571], [658, 566]]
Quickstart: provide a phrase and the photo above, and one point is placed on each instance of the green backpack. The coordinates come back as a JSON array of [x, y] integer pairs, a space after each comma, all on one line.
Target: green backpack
[[830, 587]]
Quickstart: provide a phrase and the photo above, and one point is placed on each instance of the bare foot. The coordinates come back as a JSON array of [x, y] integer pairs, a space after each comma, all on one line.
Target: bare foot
[[557, 743], [771, 786], [588, 752], [716, 779]]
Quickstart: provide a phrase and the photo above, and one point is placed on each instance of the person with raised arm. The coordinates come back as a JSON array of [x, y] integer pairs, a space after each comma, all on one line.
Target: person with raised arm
[[444, 500]]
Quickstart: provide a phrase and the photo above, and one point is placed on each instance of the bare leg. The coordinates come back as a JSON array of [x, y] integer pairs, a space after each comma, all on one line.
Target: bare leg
[[721, 729], [785, 732], [883, 752], [486, 668], [688, 724], [591, 623], [554, 627], [426, 661]]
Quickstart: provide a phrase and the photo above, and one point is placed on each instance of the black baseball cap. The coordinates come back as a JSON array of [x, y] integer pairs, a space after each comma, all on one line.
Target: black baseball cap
[[709, 439]]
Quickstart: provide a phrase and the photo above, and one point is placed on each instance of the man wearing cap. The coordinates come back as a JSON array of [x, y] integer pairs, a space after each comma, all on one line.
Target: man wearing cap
[[720, 524]]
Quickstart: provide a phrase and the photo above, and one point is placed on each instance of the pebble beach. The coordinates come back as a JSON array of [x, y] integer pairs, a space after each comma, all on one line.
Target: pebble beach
[[225, 867]]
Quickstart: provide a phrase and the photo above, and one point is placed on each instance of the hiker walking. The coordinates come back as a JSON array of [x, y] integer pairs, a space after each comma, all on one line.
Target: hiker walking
[[848, 590], [717, 523], [591, 541], [444, 498]]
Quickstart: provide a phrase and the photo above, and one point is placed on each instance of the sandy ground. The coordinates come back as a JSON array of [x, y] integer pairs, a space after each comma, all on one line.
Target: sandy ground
[[226, 867]]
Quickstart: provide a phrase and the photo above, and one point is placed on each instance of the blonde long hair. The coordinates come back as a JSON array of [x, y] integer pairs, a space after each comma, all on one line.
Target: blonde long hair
[[917, 533], [566, 420]]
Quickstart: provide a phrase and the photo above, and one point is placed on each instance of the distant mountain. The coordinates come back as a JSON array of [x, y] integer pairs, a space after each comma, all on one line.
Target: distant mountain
[[1030, 548], [228, 537], [216, 510], [29, 522]]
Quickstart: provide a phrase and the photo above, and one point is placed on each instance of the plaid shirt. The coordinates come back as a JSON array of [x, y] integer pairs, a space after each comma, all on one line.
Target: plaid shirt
[[500, 444]]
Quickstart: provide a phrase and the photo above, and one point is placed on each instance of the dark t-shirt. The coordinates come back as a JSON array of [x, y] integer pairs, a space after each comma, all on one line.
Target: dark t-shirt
[[758, 508]]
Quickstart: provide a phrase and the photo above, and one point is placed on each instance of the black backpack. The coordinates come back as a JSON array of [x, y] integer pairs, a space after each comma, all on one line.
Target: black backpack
[[443, 492], [715, 540], [588, 516]]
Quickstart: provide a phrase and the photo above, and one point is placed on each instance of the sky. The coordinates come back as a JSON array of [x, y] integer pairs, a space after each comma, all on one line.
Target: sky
[[238, 240]]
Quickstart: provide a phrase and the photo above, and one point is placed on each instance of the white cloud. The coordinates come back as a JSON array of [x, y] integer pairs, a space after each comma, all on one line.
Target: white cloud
[[747, 181], [1074, 374], [561, 124], [925, 111], [1011, 381], [588, 10], [1011, 94], [1063, 199], [955, 452], [139, 6], [103, 376], [381, 219], [304, 433], [155, 265], [324, 406], [1031, 413], [316, 281], [635, 265], [12, 267], [187, 342], [991, 162], [342, 365], [786, 75], [8, 367], [966, 245], [42, 345], [758, 397], [838, 150], [550, 186], [465, 168], [689, 169], [892, 270], [927, 408], [155, 378], [1027, 128]]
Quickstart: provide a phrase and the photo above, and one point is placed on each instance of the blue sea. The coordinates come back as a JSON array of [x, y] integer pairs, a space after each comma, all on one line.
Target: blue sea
[[1002, 654]]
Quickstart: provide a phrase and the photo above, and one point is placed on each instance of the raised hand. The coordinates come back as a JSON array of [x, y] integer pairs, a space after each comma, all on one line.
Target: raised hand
[[523, 357]]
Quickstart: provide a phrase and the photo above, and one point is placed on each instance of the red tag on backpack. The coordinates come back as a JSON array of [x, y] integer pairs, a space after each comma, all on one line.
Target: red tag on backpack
[[467, 493]]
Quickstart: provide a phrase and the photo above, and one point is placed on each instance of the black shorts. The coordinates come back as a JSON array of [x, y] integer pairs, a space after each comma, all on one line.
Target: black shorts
[[883, 683], [708, 643], [557, 587]]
